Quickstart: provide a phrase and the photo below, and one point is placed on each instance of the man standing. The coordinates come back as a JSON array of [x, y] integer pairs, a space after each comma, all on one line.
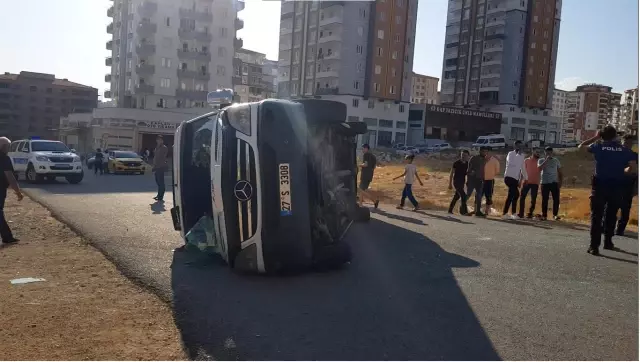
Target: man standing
[[533, 173], [491, 169], [160, 166], [512, 173], [7, 179], [475, 178], [457, 179], [366, 174], [629, 190], [612, 162], [551, 179]]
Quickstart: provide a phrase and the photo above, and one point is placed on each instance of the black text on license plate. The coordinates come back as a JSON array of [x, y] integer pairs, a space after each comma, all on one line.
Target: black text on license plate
[[284, 178]]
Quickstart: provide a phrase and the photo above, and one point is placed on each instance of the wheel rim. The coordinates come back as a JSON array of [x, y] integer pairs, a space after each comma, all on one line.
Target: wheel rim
[[31, 174]]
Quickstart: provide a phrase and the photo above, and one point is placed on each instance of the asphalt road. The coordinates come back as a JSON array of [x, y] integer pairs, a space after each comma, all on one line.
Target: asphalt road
[[422, 286]]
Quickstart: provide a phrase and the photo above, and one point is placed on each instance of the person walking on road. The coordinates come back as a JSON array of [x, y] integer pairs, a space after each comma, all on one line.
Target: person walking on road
[[629, 190], [513, 173], [475, 178], [410, 174], [613, 163], [551, 182], [531, 184], [160, 166], [491, 170], [98, 162], [457, 179], [367, 167], [7, 179]]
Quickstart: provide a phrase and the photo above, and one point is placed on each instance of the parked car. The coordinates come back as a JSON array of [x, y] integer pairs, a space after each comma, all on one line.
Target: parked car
[[125, 162], [439, 147], [493, 141], [407, 150], [398, 146]]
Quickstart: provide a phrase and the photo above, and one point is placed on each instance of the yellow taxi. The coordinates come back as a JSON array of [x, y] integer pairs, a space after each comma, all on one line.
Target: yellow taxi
[[125, 162]]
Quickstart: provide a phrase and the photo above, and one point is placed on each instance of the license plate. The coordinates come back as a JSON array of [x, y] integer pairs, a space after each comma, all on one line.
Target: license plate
[[285, 189], [62, 165]]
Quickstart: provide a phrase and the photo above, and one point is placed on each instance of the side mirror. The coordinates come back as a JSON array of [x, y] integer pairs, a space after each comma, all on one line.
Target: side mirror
[[73, 150]]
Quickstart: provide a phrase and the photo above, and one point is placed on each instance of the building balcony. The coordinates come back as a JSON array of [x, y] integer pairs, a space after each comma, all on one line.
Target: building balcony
[[145, 49], [111, 11], [490, 75], [194, 55], [197, 15], [190, 34], [239, 5], [333, 55], [492, 62], [144, 89], [327, 91], [495, 10], [107, 94], [330, 38], [497, 22], [110, 45], [327, 74], [326, 4], [194, 95], [148, 8], [238, 43], [493, 49], [285, 31], [336, 19], [110, 28], [145, 69], [193, 74], [146, 28], [239, 24], [108, 62], [107, 78], [497, 35]]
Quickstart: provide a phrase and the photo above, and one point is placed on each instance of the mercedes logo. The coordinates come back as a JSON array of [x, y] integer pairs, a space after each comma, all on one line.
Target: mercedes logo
[[243, 190]]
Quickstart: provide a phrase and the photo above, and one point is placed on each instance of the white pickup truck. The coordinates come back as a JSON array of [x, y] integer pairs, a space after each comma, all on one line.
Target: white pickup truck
[[45, 159]]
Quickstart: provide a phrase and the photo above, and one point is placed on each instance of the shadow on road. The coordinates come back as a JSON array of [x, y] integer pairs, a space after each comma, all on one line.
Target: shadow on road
[[398, 300], [398, 217], [445, 218], [157, 207]]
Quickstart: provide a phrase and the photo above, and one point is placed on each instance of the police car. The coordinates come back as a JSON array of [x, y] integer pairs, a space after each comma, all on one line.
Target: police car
[[45, 159]]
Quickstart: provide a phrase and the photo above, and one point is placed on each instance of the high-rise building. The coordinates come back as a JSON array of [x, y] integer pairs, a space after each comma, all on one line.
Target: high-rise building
[[629, 111], [500, 55], [250, 83], [590, 107], [31, 104], [168, 54], [559, 111], [424, 89], [356, 52]]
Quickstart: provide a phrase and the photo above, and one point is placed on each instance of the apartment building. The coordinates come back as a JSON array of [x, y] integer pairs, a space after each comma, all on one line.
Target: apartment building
[[628, 115], [500, 56], [559, 111], [170, 53], [251, 83], [589, 108], [356, 52], [32, 103], [424, 89]]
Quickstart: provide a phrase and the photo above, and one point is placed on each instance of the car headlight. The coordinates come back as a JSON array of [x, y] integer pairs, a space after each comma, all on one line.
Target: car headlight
[[76, 158], [42, 158], [240, 119]]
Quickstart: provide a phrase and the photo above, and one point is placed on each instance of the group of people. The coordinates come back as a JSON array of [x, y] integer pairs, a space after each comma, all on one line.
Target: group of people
[[522, 176], [614, 183]]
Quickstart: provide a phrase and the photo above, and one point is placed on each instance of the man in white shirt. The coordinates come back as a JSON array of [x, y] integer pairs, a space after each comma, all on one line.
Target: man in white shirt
[[513, 171]]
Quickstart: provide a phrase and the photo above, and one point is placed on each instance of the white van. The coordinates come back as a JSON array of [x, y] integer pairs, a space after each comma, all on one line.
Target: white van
[[493, 141]]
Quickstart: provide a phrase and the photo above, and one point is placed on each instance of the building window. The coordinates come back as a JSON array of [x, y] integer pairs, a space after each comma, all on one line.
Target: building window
[[371, 104], [544, 47], [394, 55], [359, 49], [383, 16], [359, 67], [360, 30], [356, 85], [378, 69], [379, 51], [166, 62], [533, 45], [386, 123], [401, 108], [165, 82], [513, 97], [380, 34], [33, 88], [398, 20], [222, 51], [392, 89], [376, 87], [355, 103], [167, 20], [527, 98], [221, 70], [535, 18]]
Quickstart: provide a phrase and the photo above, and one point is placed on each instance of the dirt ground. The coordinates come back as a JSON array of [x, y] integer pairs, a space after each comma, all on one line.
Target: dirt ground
[[85, 310], [574, 196]]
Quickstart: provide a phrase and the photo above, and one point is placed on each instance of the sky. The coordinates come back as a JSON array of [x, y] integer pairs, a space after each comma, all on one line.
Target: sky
[[598, 39]]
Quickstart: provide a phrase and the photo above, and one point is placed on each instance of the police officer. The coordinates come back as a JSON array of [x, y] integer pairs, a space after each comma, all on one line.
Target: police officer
[[612, 163], [629, 190]]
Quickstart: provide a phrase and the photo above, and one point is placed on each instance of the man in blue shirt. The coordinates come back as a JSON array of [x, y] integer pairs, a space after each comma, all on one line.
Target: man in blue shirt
[[612, 163], [629, 190]]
